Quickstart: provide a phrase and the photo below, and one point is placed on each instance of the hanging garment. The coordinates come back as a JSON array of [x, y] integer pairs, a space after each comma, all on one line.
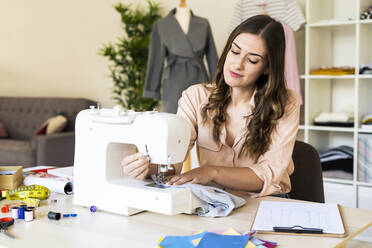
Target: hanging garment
[[286, 11], [184, 53], [291, 17], [292, 77]]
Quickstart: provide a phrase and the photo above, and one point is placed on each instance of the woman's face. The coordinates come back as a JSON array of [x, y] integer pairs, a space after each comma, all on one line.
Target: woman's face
[[245, 61]]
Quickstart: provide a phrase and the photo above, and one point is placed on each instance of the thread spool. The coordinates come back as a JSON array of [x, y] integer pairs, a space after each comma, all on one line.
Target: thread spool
[[15, 213], [93, 209], [5, 208], [33, 210], [29, 215], [54, 215], [21, 213]]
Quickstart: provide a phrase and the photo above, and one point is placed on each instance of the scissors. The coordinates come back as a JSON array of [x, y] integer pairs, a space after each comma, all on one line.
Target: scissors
[[4, 224]]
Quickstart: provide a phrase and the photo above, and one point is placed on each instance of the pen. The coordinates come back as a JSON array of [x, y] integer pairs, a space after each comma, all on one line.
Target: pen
[[297, 229]]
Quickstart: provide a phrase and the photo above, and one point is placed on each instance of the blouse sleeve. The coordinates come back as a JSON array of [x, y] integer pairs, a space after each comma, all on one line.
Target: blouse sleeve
[[187, 108], [275, 166]]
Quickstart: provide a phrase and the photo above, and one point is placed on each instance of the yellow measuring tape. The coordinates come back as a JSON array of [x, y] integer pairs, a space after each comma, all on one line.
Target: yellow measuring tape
[[31, 195]]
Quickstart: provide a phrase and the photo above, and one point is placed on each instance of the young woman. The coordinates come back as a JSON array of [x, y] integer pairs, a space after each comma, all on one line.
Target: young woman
[[244, 121]]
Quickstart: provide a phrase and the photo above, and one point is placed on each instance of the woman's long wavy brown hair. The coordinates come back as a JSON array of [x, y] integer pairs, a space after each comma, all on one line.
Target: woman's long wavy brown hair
[[271, 95]]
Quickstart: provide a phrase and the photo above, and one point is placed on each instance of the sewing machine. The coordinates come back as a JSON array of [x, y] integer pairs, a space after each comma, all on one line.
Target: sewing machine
[[103, 137]]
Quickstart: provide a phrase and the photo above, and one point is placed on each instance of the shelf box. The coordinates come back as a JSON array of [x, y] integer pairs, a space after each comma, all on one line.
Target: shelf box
[[365, 158]]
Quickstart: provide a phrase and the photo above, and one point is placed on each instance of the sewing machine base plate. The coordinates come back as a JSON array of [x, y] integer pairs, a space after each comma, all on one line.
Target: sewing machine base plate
[[155, 185]]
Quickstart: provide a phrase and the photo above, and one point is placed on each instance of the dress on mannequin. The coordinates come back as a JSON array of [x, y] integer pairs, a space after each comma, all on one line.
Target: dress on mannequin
[[182, 45]]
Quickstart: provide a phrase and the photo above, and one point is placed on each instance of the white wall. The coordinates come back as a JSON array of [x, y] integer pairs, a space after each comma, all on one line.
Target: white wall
[[49, 47]]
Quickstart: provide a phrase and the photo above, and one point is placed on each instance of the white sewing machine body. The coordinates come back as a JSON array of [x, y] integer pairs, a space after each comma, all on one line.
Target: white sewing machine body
[[104, 137]]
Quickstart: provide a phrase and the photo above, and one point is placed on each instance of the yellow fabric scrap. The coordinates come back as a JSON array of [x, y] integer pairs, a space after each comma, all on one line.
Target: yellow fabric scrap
[[159, 241], [196, 241], [231, 231], [249, 245]]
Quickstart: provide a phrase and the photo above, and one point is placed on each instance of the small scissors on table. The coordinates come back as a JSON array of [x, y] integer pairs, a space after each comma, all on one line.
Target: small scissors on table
[[4, 224]]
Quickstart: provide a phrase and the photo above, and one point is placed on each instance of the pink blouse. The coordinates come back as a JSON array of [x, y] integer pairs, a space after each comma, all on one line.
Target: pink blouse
[[273, 168]]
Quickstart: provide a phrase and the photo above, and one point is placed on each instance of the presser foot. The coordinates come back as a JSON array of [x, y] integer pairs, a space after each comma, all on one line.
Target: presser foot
[[159, 178]]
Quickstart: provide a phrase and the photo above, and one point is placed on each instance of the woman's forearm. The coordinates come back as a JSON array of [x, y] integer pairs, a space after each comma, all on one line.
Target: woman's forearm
[[241, 178]]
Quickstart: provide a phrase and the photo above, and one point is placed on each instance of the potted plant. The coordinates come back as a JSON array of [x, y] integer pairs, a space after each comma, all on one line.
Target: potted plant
[[128, 56]]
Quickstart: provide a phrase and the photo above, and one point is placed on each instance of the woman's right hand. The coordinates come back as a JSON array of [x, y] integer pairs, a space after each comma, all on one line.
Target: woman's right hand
[[136, 166]]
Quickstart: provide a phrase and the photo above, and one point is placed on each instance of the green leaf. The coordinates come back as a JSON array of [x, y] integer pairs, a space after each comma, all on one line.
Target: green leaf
[[128, 55]]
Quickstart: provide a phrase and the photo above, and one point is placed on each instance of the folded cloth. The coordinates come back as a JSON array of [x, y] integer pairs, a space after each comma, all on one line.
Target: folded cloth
[[365, 68], [336, 153], [367, 119], [217, 202], [339, 174], [337, 71], [367, 14], [335, 117], [340, 164]]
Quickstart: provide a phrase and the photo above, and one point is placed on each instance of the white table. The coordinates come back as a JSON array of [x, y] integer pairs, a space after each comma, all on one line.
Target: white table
[[102, 229]]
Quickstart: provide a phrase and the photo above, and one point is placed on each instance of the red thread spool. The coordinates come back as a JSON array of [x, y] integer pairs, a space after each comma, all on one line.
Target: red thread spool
[[5, 208]]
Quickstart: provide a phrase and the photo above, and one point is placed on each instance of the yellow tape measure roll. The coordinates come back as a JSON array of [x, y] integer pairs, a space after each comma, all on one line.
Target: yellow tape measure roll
[[30, 194]]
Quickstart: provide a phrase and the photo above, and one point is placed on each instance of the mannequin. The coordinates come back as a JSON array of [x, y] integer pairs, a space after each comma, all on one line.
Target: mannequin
[[179, 42], [183, 15]]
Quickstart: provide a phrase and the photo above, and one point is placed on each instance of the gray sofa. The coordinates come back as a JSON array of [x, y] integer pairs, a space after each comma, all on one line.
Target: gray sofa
[[23, 116]]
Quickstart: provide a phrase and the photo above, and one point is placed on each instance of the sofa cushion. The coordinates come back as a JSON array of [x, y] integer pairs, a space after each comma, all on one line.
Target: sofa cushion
[[3, 132], [54, 124], [16, 152]]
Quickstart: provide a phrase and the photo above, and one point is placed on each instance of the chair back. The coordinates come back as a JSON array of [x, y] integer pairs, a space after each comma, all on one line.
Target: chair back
[[307, 178]]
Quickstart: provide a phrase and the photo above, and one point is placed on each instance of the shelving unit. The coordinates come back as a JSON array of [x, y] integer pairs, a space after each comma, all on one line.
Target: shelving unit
[[336, 37]]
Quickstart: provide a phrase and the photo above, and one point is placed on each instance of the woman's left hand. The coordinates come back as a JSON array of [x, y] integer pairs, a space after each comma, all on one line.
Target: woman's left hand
[[201, 175]]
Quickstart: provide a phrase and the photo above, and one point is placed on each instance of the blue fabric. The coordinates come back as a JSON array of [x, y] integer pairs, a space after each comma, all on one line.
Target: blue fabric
[[223, 241], [180, 241]]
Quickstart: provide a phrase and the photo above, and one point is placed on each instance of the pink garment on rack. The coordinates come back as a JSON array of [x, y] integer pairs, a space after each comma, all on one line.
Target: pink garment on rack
[[292, 76]]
